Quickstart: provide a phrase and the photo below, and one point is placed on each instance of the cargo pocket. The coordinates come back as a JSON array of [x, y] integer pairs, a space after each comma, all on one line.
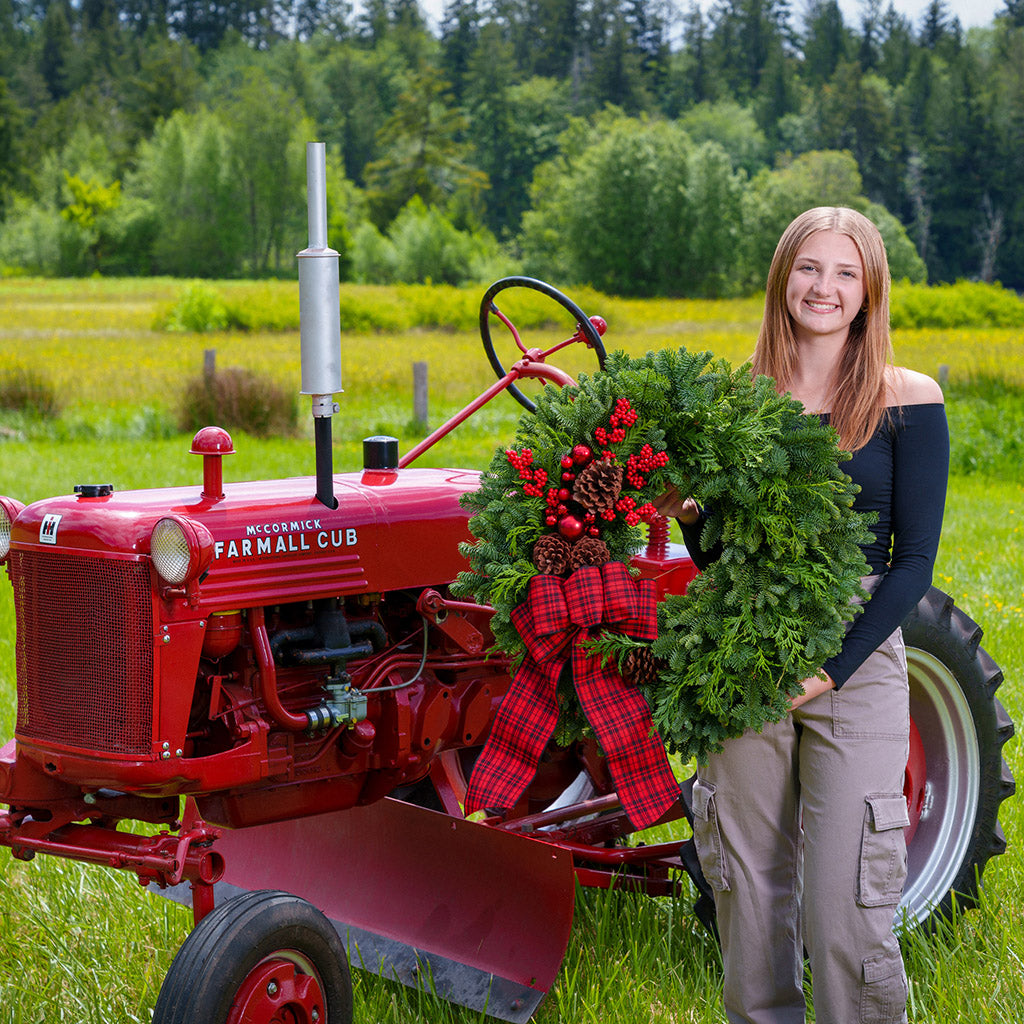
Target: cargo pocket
[[883, 850], [883, 994], [707, 838]]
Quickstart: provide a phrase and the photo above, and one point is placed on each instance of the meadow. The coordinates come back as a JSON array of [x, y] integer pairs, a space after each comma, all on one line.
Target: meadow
[[84, 945]]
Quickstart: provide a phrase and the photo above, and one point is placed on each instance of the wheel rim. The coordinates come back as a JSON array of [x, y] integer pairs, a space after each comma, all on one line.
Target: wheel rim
[[942, 840], [283, 988]]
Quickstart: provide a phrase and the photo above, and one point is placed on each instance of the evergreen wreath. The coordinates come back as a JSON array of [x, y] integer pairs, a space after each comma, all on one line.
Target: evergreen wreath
[[580, 478]]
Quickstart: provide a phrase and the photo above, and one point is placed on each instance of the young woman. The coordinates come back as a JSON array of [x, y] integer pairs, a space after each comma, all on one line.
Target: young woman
[[799, 827]]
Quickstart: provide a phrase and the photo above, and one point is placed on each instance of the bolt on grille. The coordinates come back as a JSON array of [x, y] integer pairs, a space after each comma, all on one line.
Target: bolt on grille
[[84, 651]]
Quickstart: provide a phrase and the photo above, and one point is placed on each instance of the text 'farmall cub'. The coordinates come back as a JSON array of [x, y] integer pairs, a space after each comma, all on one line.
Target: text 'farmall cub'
[[275, 675]]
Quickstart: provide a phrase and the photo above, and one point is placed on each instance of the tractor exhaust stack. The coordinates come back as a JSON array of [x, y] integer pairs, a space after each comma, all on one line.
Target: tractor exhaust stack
[[320, 322]]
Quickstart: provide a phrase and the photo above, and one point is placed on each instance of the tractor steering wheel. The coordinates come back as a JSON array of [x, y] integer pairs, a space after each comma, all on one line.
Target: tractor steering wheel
[[586, 331]]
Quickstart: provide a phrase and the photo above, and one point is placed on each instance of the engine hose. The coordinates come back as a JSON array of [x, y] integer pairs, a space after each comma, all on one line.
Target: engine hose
[[268, 675]]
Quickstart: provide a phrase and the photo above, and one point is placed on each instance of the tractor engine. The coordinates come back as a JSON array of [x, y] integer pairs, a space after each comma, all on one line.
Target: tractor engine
[[245, 645]]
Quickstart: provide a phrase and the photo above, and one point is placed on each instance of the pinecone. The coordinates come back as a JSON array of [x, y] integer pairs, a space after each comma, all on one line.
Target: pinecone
[[641, 667], [551, 554], [589, 551], [598, 486]]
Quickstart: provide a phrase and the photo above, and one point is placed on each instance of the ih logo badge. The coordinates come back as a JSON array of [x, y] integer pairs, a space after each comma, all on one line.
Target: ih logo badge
[[48, 529]]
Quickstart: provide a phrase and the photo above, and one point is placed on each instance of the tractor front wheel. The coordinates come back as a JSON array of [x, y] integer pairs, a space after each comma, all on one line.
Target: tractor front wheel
[[263, 957]]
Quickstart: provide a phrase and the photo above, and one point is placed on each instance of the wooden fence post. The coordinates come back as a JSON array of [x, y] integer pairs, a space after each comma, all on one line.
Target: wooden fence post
[[419, 393]]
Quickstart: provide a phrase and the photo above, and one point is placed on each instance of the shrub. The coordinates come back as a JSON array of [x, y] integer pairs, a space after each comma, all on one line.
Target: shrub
[[200, 308], [964, 304], [237, 398], [27, 391], [264, 308]]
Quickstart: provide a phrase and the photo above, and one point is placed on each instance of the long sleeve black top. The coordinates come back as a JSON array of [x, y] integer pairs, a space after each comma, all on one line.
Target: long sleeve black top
[[902, 473]]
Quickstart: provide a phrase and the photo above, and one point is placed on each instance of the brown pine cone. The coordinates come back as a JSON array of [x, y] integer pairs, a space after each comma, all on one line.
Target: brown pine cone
[[551, 554], [589, 551], [641, 667], [598, 485]]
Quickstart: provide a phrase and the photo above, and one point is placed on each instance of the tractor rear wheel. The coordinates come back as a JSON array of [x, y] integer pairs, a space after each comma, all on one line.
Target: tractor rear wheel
[[960, 729], [956, 776], [264, 957]]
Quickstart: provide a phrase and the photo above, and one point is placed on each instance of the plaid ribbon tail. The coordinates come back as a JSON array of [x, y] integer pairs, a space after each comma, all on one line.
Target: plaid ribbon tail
[[521, 729], [555, 614], [634, 751]]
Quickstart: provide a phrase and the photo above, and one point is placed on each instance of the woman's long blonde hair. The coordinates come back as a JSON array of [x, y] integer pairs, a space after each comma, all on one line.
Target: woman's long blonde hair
[[859, 393]]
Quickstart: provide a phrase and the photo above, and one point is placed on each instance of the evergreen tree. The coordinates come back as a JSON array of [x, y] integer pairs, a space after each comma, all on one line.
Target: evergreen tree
[[1012, 12], [11, 121], [896, 47], [870, 34], [459, 36], [695, 75], [554, 26], [423, 152], [56, 49], [825, 41], [935, 25]]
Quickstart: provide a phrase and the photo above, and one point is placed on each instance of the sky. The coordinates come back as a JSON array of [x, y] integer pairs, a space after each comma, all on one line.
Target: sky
[[970, 12]]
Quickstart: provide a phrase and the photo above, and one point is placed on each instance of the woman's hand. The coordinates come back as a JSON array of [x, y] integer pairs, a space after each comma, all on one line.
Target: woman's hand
[[673, 506], [814, 686]]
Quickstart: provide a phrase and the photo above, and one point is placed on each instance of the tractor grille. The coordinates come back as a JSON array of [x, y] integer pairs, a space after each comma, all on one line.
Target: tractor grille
[[84, 652]]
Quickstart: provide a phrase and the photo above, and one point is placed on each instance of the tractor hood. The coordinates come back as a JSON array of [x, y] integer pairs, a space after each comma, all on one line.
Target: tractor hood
[[269, 542]]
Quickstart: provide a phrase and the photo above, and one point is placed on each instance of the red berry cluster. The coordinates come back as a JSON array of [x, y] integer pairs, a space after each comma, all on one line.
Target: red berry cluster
[[639, 467], [622, 418], [624, 415], [533, 479], [635, 513]]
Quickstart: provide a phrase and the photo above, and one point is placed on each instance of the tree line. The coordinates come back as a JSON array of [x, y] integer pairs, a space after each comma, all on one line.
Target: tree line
[[629, 144]]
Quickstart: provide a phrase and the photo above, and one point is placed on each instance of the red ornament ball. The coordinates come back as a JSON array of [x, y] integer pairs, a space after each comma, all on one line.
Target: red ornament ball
[[570, 527]]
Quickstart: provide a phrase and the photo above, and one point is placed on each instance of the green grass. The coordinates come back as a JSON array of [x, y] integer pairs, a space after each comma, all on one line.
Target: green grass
[[82, 944]]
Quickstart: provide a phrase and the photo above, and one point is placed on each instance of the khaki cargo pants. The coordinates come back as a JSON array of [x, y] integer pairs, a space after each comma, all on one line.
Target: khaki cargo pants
[[836, 765]]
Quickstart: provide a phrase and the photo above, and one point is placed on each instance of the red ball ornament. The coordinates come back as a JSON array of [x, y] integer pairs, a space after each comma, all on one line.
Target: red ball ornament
[[566, 462], [563, 494], [580, 454], [570, 527]]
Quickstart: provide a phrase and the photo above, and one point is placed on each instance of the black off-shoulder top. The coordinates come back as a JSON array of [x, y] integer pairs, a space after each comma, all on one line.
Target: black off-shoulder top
[[902, 473]]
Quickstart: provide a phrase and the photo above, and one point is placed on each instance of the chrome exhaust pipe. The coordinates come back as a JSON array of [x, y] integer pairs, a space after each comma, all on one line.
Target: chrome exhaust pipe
[[320, 321]]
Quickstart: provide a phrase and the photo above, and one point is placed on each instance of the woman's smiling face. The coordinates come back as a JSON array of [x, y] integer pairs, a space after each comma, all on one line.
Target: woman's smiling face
[[826, 288]]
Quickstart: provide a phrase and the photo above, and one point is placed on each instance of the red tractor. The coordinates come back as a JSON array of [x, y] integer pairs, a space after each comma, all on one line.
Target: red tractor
[[275, 681]]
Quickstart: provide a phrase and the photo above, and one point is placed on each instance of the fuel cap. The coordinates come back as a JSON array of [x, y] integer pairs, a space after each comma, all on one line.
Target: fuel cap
[[380, 452]]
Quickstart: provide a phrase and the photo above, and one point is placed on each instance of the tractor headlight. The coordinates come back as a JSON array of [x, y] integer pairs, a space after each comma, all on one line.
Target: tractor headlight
[[181, 549], [9, 511]]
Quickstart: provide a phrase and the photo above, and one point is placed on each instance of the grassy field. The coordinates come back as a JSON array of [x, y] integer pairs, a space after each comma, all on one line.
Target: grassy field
[[85, 945]]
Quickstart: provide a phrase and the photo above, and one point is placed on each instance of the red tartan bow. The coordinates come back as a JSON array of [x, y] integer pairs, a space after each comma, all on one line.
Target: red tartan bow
[[555, 621]]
